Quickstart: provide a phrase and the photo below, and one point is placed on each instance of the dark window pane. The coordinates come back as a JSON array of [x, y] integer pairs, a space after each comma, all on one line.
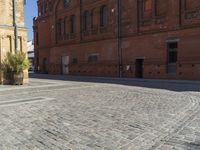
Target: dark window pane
[[73, 24], [93, 59], [172, 57], [173, 45], [103, 16], [86, 20], [74, 60]]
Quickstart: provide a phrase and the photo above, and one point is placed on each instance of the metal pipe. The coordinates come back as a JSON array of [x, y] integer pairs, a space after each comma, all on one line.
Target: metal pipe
[[119, 37], [15, 25], [81, 36]]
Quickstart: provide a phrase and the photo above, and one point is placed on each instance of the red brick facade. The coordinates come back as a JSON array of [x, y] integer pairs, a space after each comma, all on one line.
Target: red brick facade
[[128, 38]]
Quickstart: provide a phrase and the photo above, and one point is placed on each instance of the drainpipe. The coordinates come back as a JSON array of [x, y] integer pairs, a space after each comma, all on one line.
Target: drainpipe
[[15, 25], [119, 37], [81, 20]]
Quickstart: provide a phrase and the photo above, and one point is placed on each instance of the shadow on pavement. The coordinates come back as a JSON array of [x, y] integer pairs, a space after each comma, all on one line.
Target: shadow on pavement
[[172, 85], [193, 146]]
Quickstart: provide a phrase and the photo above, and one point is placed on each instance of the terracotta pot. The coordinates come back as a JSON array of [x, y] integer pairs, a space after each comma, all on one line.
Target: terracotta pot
[[17, 78]]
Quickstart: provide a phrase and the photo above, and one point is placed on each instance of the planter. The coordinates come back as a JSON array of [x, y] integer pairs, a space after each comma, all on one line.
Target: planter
[[7, 78], [17, 78], [13, 66]]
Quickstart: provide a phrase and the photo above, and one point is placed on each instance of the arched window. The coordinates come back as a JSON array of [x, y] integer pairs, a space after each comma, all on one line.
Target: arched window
[[86, 20], [59, 28], [50, 6], [147, 8], [192, 4], [44, 7], [92, 19], [103, 16], [147, 5], [161, 7], [73, 24]]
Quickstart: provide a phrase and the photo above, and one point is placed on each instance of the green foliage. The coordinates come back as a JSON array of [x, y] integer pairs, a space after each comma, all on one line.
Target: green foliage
[[5, 66], [15, 62]]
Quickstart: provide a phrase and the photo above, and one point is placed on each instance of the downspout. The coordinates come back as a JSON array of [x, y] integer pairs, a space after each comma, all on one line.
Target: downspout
[[119, 40], [15, 25], [81, 20]]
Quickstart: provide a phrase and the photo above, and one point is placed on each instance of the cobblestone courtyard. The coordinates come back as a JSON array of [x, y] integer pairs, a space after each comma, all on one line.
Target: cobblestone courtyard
[[76, 113]]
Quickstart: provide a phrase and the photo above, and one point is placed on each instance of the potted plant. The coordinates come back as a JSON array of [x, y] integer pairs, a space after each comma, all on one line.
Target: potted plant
[[6, 72], [13, 67]]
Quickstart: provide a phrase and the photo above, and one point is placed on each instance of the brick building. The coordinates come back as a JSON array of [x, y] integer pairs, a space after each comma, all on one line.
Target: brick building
[[127, 38]]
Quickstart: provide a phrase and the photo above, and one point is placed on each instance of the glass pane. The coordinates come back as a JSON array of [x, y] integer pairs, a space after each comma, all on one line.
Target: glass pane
[[172, 57]]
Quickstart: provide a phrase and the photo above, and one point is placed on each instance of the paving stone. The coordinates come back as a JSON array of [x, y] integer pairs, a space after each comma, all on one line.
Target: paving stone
[[97, 114]]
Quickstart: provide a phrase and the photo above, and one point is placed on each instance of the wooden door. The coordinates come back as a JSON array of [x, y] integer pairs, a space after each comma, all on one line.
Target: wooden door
[[65, 64]]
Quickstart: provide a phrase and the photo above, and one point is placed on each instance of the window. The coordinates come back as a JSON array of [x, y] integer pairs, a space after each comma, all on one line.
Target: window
[[74, 60], [59, 28], [103, 16], [44, 7], [9, 40], [93, 58], [172, 52], [37, 38], [192, 4], [92, 19], [50, 6], [20, 43], [172, 57], [73, 24], [147, 8], [86, 20], [161, 7], [66, 3], [147, 5]]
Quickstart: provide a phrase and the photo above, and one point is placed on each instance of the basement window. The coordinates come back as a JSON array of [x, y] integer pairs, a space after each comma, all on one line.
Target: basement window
[[93, 58]]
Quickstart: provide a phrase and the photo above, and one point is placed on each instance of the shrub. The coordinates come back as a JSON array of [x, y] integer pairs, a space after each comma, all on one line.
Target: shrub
[[15, 62]]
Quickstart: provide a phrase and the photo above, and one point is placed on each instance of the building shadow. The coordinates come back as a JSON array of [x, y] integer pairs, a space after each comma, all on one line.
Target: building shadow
[[172, 85], [192, 146]]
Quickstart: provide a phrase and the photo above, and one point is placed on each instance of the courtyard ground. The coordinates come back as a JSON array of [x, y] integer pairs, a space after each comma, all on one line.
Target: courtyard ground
[[87, 113]]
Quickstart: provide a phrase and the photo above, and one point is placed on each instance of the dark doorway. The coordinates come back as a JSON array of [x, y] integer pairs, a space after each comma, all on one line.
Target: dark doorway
[[139, 65], [172, 57], [45, 65]]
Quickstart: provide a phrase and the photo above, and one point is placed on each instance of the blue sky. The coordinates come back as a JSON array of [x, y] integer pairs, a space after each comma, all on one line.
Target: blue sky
[[30, 12]]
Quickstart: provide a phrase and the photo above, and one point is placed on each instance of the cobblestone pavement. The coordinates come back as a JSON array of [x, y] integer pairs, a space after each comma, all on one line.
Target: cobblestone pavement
[[76, 113]]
